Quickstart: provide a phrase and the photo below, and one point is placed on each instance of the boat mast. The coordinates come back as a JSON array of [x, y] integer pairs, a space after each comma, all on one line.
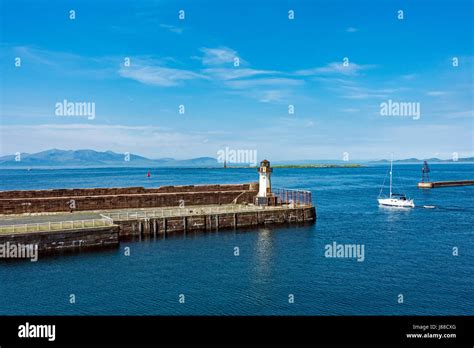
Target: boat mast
[[391, 166]]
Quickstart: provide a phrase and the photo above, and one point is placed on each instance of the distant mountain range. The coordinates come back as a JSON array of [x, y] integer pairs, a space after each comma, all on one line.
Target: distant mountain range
[[91, 158]]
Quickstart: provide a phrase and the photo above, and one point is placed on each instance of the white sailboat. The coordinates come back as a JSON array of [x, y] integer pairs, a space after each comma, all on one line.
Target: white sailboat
[[395, 199]]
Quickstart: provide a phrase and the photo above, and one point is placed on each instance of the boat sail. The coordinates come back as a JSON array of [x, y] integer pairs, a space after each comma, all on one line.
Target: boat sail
[[395, 199]]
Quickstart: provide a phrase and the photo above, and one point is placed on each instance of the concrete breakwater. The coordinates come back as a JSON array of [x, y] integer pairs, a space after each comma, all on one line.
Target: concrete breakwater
[[151, 224], [67, 239], [62, 200], [68, 219], [435, 184]]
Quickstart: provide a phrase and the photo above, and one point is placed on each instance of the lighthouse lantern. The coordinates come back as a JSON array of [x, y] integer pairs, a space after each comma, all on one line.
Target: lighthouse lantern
[[265, 195]]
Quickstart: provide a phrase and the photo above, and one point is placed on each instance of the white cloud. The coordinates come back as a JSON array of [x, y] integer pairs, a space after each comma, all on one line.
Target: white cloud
[[273, 82], [172, 28], [350, 110], [218, 56], [148, 72], [265, 86], [436, 93], [335, 68], [460, 114], [234, 73], [64, 63], [270, 96], [352, 30], [357, 92]]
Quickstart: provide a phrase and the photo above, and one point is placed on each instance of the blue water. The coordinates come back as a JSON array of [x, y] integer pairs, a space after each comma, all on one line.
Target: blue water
[[406, 252]]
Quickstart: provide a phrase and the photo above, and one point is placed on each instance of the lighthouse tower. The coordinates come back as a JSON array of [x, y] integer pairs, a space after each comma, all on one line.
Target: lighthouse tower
[[265, 196]]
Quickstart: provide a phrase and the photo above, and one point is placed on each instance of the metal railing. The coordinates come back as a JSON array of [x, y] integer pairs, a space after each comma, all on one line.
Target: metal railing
[[178, 212], [55, 226], [293, 197], [168, 212]]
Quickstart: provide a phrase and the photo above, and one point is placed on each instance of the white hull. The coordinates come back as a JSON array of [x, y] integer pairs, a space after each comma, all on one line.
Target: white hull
[[396, 202]]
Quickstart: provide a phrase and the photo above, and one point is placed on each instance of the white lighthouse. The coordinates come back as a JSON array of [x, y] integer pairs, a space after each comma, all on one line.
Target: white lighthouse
[[265, 196]]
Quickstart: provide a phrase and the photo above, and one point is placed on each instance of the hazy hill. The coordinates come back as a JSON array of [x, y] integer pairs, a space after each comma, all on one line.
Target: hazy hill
[[91, 158]]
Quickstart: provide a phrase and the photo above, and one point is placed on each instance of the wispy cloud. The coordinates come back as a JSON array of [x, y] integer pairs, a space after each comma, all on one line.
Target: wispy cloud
[[460, 114], [39, 56], [266, 86], [64, 63], [350, 110], [152, 73], [335, 68], [273, 82], [352, 30], [436, 93], [218, 56], [358, 92], [172, 28], [271, 95], [235, 73]]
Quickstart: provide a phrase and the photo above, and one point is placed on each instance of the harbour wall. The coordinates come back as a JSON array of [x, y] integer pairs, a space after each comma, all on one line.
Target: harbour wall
[[220, 207], [98, 237], [111, 235], [60, 200], [123, 190], [153, 227]]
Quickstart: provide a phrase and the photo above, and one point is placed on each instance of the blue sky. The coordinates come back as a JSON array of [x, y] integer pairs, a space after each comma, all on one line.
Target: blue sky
[[283, 62]]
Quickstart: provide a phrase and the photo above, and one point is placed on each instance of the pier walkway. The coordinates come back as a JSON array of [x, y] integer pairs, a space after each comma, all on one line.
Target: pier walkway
[[44, 222]]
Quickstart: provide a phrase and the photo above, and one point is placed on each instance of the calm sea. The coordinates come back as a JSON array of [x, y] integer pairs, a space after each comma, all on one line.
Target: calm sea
[[407, 253]]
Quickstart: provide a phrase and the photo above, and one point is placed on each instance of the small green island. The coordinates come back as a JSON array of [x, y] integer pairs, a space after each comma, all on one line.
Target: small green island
[[318, 166], [298, 166]]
